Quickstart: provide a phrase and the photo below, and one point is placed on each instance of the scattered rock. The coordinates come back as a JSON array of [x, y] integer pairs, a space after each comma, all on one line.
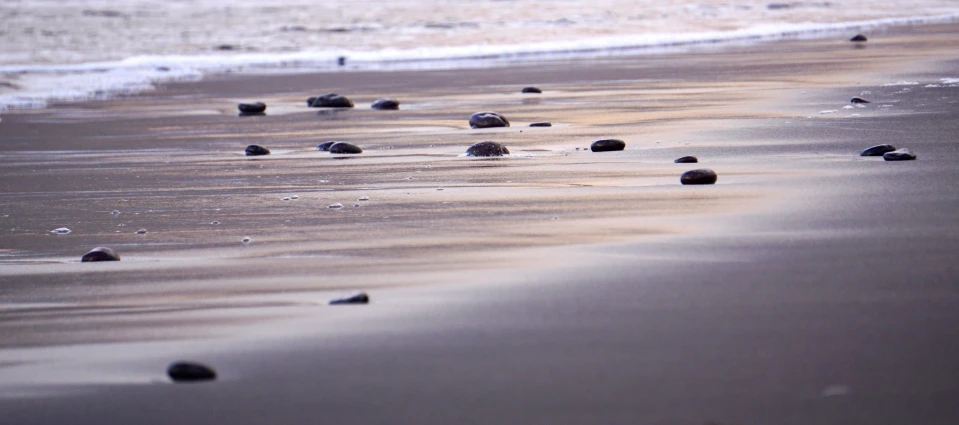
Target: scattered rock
[[487, 120], [251, 108], [541, 124], [61, 231], [357, 298], [190, 372], [859, 100], [487, 148], [878, 150], [687, 160], [330, 100], [343, 147], [531, 90], [386, 104], [859, 38], [141, 231], [899, 155], [325, 146], [607, 145], [701, 176], [100, 253], [256, 150]]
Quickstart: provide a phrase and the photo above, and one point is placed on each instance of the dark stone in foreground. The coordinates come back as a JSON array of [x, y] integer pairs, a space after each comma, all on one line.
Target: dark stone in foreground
[[357, 298], [859, 38], [899, 155], [190, 372], [531, 90], [607, 145], [487, 120], [100, 253], [329, 100], [487, 149], [256, 150], [859, 100], [343, 147], [878, 150], [252, 108], [541, 124], [701, 176], [325, 146], [687, 160], [386, 104]]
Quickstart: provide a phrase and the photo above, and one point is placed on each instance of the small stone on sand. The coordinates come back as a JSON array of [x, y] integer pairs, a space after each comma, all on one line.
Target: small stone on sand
[[256, 150], [141, 231], [859, 100], [531, 90], [345, 148], [859, 38], [488, 120], [700, 176], [251, 108], [100, 253], [899, 155], [607, 145], [325, 146], [541, 124], [486, 149], [357, 298], [878, 150], [386, 104], [330, 100], [687, 160], [190, 372]]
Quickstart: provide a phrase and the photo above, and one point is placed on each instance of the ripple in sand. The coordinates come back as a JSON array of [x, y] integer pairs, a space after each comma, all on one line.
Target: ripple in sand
[[294, 197], [214, 223], [363, 198], [61, 231], [335, 206], [828, 111], [285, 198]]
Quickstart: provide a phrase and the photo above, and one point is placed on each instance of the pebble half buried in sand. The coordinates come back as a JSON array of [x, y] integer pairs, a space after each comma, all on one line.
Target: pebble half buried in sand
[[357, 298], [488, 120], [100, 253], [486, 149], [329, 100], [256, 150], [251, 108], [541, 124], [386, 104], [700, 176], [190, 372], [859, 38], [859, 100], [687, 160], [878, 150], [899, 155], [343, 147], [607, 145], [531, 90]]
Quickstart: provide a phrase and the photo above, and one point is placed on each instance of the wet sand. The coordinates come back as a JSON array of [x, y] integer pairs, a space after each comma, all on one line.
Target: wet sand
[[809, 285]]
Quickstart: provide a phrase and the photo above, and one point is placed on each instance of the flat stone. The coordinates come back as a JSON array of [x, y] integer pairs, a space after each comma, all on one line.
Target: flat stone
[[256, 150], [325, 146], [343, 147], [859, 100], [190, 372], [487, 120], [607, 145], [878, 150], [859, 38], [100, 253], [330, 100], [531, 90], [701, 176], [251, 108], [487, 149], [386, 104], [541, 124], [357, 298], [687, 160], [899, 155]]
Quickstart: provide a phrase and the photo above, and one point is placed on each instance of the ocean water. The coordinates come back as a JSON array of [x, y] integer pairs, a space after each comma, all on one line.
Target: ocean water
[[68, 50]]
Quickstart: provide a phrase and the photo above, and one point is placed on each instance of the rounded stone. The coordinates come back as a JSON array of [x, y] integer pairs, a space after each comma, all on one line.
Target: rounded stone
[[256, 150], [687, 160], [878, 150], [386, 104], [488, 120], [330, 100], [859, 100], [899, 155], [190, 372], [531, 90], [252, 108], [486, 149], [541, 124], [859, 38], [607, 145], [325, 146], [356, 298], [343, 147], [100, 253], [701, 176]]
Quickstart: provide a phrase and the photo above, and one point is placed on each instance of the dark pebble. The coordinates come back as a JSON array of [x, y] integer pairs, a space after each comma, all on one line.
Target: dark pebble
[[330, 100], [531, 90], [541, 124], [190, 372], [256, 150], [687, 160], [607, 145], [701, 176], [100, 253], [386, 104], [487, 149], [878, 150], [357, 298], [859, 38], [325, 146], [341, 60], [487, 120], [252, 108], [343, 147], [899, 155], [859, 100]]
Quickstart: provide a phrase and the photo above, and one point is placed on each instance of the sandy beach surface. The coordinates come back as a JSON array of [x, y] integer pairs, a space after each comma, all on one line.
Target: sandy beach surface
[[554, 286]]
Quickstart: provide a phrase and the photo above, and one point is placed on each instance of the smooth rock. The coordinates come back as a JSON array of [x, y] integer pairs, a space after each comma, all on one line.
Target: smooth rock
[[487, 148], [341, 61], [331, 100], [190, 372], [878, 150], [531, 90], [701, 176], [100, 253], [859, 100], [487, 120], [386, 104], [357, 298], [256, 150], [541, 124], [607, 145], [325, 146], [899, 155], [687, 160], [859, 38], [251, 108], [343, 147]]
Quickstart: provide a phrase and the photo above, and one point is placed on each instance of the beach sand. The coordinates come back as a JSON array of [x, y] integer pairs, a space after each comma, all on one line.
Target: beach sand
[[558, 285]]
